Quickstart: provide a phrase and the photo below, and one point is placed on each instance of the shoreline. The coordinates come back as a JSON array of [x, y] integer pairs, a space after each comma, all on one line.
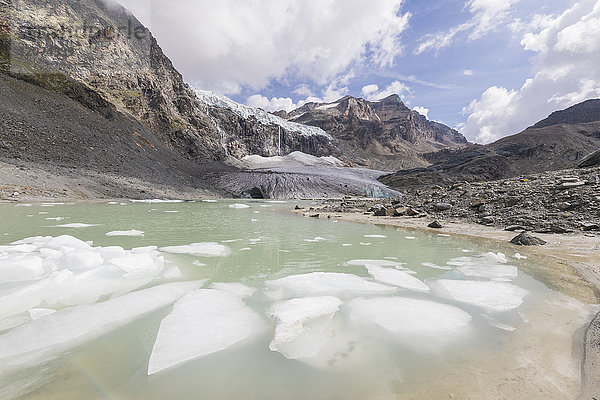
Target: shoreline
[[567, 261]]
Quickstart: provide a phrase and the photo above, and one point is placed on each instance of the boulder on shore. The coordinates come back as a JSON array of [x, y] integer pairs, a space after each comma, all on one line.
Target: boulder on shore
[[525, 239]]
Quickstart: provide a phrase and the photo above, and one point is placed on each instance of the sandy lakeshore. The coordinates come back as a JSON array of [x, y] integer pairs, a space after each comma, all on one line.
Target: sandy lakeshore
[[569, 264]]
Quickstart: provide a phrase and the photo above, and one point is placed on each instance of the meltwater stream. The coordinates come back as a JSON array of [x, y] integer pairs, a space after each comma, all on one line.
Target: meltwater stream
[[230, 300]]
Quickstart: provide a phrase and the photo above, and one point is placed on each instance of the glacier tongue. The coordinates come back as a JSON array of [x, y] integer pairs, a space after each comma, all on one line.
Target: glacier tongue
[[202, 322], [72, 326], [217, 100], [301, 325]]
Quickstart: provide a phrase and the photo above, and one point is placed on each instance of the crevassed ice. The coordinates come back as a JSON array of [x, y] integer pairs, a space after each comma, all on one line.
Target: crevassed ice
[[301, 325], [491, 296], [202, 322], [418, 324], [203, 249], [397, 278], [218, 100], [71, 326], [324, 283]]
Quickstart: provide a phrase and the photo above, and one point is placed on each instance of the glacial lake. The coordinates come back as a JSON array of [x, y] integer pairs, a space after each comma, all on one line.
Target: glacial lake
[[245, 300]]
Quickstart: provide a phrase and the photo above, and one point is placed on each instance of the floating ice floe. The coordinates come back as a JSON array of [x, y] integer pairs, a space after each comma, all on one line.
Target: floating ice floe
[[210, 201], [394, 277], [301, 325], [238, 206], [202, 322], [64, 271], [410, 237], [76, 225], [324, 283], [131, 232], [520, 257], [375, 236], [489, 265], [417, 324], [346, 244], [432, 265], [491, 296], [203, 249], [380, 263], [72, 326], [315, 239], [153, 201], [237, 288]]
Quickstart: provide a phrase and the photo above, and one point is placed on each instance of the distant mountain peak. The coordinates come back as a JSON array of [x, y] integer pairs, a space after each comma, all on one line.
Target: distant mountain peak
[[581, 113]]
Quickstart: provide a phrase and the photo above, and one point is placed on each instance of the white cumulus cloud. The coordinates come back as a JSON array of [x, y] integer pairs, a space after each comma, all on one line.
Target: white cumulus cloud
[[422, 110], [567, 71], [228, 45], [487, 15], [396, 87]]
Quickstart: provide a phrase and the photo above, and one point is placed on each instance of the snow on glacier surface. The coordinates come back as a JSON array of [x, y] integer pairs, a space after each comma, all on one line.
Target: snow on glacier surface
[[324, 283], [202, 322], [217, 100], [491, 296], [301, 325], [295, 158]]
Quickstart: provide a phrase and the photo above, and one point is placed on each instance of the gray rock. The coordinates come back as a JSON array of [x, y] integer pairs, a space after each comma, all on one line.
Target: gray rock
[[435, 224], [525, 239], [442, 206], [487, 220], [590, 160]]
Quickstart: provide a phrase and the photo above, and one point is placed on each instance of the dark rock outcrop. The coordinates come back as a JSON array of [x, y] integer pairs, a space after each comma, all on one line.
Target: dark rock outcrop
[[525, 239], [543, 147], [590, 160]]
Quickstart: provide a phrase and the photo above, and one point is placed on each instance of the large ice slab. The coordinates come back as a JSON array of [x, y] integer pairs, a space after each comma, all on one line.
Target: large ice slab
[[324, 283], [18, 268], [65, 271], [491, 296], [301, 325], [203, 249], [417, 324], [72, 326], [398, 278], [202, 322]]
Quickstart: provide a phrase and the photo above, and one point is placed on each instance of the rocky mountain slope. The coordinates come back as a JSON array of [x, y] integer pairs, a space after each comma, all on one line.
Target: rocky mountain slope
[[381, 134], [103, 47], [557, 142]]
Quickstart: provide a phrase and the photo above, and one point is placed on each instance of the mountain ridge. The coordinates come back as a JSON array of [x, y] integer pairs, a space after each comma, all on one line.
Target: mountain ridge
[[380, 134]]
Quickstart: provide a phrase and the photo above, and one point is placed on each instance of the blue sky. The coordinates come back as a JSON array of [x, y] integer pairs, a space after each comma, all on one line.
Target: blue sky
[[490, 68]]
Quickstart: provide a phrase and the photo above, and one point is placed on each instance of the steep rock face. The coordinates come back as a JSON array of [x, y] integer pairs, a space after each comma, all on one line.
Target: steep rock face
[[382, 134], [106, 49], [548, 145]]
